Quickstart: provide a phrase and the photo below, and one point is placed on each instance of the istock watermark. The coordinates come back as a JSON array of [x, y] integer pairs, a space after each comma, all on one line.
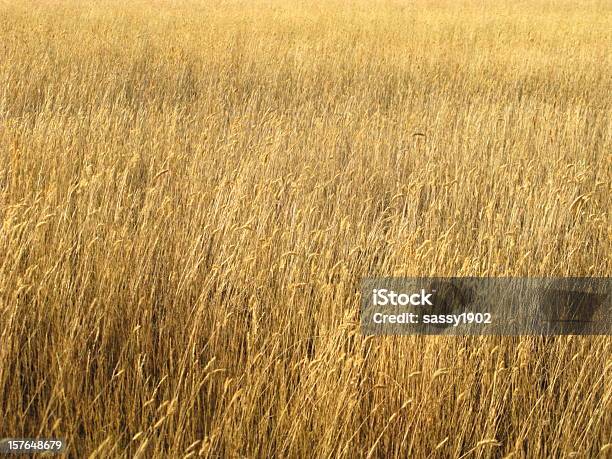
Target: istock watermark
[[384, 297], [486, 306]]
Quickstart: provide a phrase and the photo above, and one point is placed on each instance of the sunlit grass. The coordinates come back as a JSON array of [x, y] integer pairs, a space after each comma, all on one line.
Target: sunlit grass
[[190, 192]]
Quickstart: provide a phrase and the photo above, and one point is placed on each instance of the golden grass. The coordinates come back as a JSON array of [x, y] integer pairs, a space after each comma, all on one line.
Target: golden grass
[[190, 192]]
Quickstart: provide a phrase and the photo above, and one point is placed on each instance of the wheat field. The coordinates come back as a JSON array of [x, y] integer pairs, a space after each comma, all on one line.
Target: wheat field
[[192, 190]]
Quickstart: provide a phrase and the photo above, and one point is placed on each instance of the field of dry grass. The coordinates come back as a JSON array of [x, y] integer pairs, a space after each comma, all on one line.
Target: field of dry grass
[[191, 191]]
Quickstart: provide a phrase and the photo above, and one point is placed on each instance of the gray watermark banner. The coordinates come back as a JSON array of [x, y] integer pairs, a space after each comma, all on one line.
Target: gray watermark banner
[[486, 306]]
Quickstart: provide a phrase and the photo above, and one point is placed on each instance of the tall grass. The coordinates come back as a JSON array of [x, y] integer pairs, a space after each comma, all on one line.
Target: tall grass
[[190, 192]]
